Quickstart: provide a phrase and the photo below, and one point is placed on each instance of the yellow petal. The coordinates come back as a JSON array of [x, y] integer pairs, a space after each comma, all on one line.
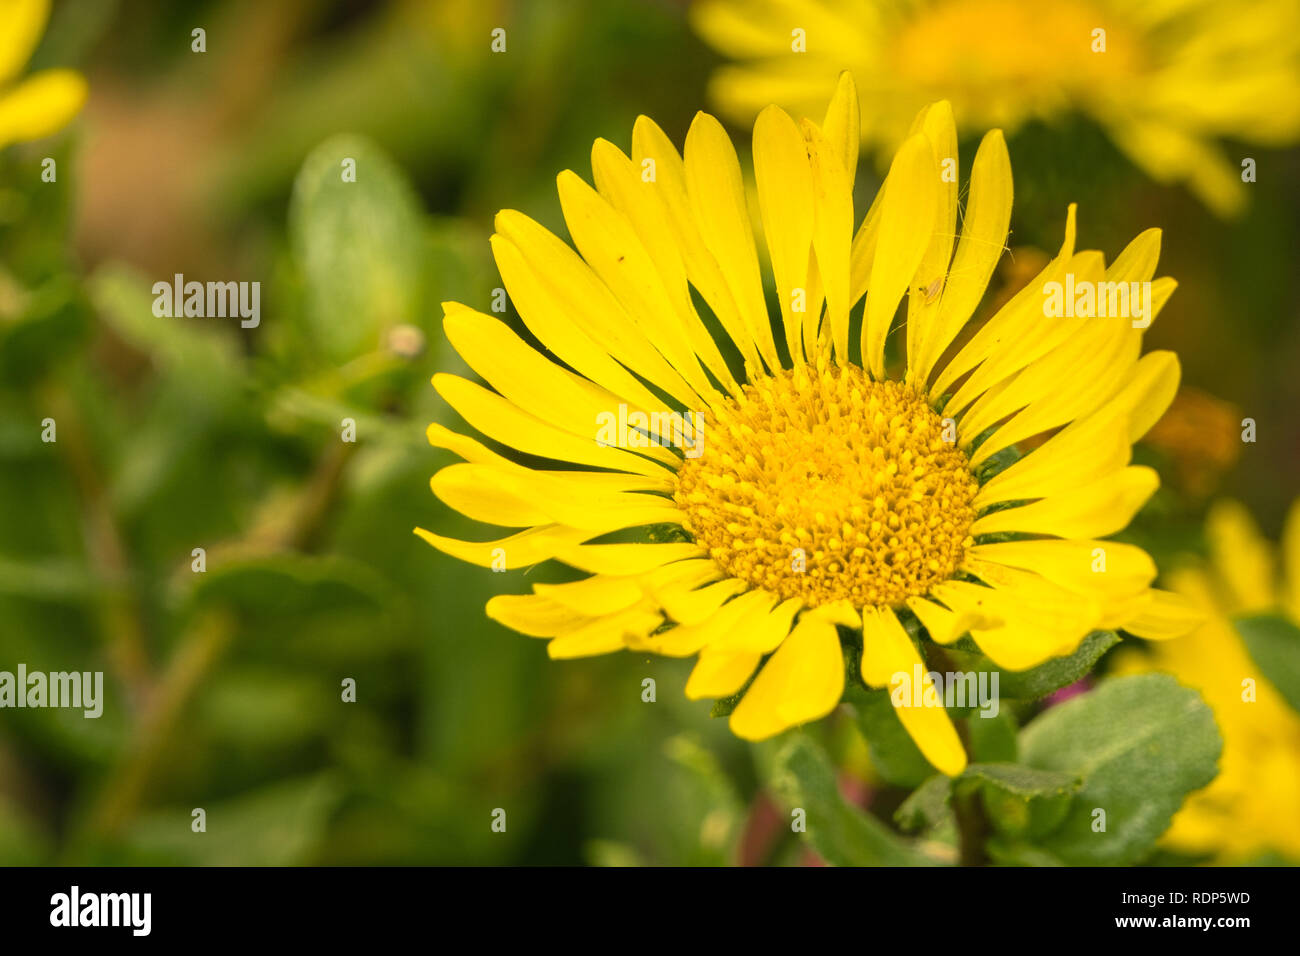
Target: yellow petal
[[906, 225], [1031, 619], [862, 255], [596, 596], [1137, 263], [802, 681], [24, 22], [1006, 331], [618, 181], [658, 160], [843, 124], [545, 316], [506, 422], [763, 630], [1241, 556], [694, 606], [516, 551], [677, 576], [605, 635], [1167, 615], [888, 656], [983, 237], [687, 639], [943, 625], [616, 254], [1291, 561], [720, 673], [1025, 336], [1114, 574], [833, 236], [1148, 393], [786, 200], [717, 195], [1019, 645], [440, 436], [526, 378], [1082, 452], [493, 505], [625, 558], [535, 615], [500, 495], [1096, 510], [588, 303], [923, 302], [41, 105], [1085, 378]]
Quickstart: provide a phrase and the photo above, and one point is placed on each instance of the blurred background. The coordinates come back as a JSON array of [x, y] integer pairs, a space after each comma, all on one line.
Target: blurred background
[[223, 689]]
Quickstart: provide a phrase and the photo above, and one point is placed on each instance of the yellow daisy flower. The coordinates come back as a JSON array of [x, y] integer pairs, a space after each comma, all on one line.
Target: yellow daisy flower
[[1164, 79], [805, 487], [1251, 805], [44, 102]]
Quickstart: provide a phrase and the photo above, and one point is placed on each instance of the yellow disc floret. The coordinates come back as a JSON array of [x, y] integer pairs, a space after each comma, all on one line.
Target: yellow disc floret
[[826, 485]]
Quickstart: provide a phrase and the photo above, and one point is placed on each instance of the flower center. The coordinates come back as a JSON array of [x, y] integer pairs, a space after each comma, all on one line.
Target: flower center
[[990, 50], [826, 485]]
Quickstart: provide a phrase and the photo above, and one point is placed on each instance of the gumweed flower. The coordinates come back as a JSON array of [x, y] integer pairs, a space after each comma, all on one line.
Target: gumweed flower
[[1250, 806], [779, 494], [1166, 80], [40, 104]]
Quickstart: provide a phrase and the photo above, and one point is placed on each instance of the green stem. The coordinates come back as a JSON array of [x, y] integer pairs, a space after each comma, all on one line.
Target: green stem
[[119, 608], [205, 641]]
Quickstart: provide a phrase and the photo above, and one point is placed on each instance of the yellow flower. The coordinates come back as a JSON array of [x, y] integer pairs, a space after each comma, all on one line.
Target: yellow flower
[[806, 488], [44, 102], [1164, 79], [1253, 803]]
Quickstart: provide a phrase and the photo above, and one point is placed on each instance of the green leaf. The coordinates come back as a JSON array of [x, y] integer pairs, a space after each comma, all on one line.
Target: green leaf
[[1020, 800], [1274, 645], [928, 806], [360, 245], [22, 841], [50, 326], [197, 353], [1140, 744], [803, 778], [610, 853], [1020, 781], [289, 584], [993, 739], [1038, 682], [49, 579], [716, 815], [280, 825], [1011, 852], [893, 753]]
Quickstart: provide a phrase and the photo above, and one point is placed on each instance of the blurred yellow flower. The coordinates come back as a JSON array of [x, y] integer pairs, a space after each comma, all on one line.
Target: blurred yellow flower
[[44, 102], [1165, 79], [817, 490], [1254, 803]]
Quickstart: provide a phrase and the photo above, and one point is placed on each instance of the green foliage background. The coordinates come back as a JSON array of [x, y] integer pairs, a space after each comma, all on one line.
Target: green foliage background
[[223, 688]]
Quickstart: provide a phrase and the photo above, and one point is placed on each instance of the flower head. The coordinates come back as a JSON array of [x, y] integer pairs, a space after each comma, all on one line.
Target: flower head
[[1251, 805], [44, 102], [1165, 80], [809, 485]]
